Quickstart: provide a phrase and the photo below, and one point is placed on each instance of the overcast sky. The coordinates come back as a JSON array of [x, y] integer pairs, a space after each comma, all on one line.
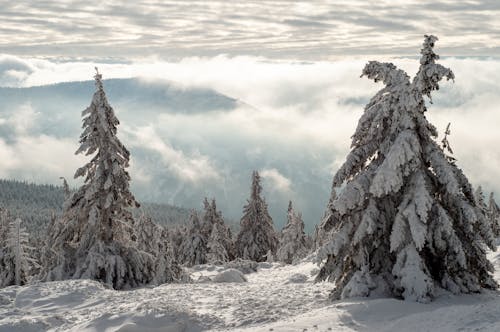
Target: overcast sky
[[274, 29]]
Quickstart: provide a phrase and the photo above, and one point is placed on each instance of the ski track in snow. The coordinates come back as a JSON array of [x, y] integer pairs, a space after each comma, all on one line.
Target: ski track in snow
[[269, 301]]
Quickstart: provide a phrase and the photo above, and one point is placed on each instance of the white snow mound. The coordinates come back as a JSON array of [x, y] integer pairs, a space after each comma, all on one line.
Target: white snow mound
[[230, 275]]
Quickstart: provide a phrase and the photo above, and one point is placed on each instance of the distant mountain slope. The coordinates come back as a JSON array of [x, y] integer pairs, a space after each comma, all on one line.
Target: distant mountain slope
[[35, 204], [129, 91], [61, 104]]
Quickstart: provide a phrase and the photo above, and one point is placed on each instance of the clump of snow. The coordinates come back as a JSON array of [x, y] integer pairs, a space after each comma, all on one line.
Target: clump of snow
[[230, 275]]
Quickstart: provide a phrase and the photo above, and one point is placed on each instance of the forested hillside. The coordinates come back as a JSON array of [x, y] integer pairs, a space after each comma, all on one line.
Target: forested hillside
[[35, 204]]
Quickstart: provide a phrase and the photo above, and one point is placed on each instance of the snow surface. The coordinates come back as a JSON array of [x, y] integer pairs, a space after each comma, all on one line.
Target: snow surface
[[275, 298]]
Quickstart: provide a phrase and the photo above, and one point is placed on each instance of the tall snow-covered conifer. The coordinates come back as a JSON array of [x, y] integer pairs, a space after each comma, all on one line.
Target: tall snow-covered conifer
[[94, 238], [405, 218], [292, 244], [257, 236]]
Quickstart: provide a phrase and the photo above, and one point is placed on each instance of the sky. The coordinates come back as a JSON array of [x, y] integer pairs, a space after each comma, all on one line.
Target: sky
[[307, 30], [293, 66]]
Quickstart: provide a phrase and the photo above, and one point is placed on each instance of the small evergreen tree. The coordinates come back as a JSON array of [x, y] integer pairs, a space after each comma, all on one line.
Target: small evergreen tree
[[216, 252], [66, 190], [292, 245], [494, 215], [7, 267], [220, 246], [93, 239], [17, 261], [405, 219], [154, 240], [479, 198], [193, 250], [257, 235]]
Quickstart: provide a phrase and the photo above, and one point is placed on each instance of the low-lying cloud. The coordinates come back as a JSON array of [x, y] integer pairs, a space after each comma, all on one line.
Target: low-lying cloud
[[293, 123]]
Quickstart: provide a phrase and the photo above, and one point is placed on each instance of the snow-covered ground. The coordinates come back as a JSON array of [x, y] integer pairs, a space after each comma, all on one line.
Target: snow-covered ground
[[276, 298]]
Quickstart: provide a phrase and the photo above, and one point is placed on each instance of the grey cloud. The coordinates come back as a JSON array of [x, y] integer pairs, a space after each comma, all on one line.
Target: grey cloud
[[307, 23], [310, 30]]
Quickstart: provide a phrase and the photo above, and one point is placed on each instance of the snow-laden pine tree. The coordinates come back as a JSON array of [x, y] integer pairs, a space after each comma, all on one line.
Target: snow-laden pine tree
[[494, 214], [66, 190], [6, 262], [257, 235], [154, 240], [193, 250], [93, 238], [292, 243], [407, 219], [176, 236], [218, 236], [216, 252], [480, 202], [18, 263]]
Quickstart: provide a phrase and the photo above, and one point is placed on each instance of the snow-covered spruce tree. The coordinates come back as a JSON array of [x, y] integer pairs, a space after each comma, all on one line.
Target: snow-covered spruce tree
[[257, 235], [193, 250], [93, 239], [6, 263], [407, 219], [216, 252], [220, 247], [154, 239], [480, 202], [292, 244], [494, 215], [176, 236], [66, 190], [18, 261]]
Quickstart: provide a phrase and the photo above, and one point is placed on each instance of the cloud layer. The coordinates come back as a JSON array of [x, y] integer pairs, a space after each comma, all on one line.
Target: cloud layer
[[311, 30], [292, 122]]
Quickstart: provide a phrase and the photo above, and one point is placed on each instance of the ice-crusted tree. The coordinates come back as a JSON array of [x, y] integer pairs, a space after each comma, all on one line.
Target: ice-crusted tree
[[257, 235], [494, 214], [4, 226], [18, 262], [407, 219], [154, 240], [220, 247], [93, 238], [479, 198], [66, 190], [6, 261], [216, 252], [176, 236], [292, 243], [193, 250]]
